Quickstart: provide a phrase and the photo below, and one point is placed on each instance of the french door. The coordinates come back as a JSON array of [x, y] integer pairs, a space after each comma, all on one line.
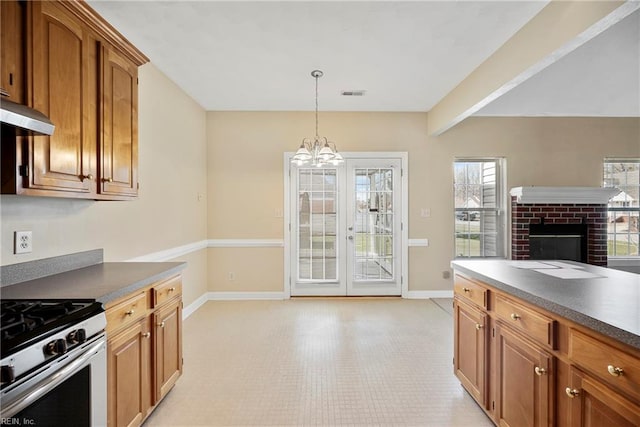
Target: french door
[[346, 221]]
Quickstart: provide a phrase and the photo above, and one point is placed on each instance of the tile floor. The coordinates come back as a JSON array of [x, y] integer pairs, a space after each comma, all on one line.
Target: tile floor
[[318, 361]]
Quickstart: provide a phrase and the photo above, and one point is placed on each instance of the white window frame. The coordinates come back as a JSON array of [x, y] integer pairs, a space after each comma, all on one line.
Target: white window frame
[[501, 209], [404, 176], [619, 260]]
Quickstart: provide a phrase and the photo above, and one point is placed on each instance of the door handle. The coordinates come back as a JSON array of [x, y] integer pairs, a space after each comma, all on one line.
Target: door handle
[[350, 237], [350, 228]]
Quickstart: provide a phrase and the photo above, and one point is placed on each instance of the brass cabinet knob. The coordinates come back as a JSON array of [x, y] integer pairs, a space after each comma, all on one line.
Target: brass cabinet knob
[[107, 179], [571, 392], [515, 316], [479, 326], [540, 371], [129, 313], [146, 335], [161, 324], [615, 371], [466, 290], [172, 289], [83, 177]]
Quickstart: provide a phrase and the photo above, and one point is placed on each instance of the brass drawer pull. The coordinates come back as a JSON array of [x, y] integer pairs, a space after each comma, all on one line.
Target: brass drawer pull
[[146, 335], [571, 392], [89, 177], [107, 179], [479, 326], [129, 313], [466, 290], [540, 371], [161, 324], [515, 316], [615, 371], [172, 289]]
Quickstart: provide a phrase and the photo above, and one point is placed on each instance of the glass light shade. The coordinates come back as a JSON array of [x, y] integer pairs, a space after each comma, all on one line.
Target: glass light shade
[[302, 154], [326, 153], [337, 159]]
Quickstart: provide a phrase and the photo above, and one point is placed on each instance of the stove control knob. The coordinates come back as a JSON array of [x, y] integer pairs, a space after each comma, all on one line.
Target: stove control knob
[[58, 346], [77, 336], [7, 374]]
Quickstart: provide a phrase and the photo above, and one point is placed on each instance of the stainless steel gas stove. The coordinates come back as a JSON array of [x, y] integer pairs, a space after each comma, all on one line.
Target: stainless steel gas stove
[[53, 363]]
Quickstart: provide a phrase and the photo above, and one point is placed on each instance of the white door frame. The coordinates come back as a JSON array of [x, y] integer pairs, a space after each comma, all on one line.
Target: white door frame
[[403, 156]]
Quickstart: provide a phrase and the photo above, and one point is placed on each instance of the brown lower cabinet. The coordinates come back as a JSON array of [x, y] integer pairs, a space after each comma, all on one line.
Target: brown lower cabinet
[[524, 380], [144, 351], [470, 349], [594, 404], [528, 367]]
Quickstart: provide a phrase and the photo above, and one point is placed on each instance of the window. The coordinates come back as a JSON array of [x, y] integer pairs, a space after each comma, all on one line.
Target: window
[[623, 209], [317, 229], [479, 208]]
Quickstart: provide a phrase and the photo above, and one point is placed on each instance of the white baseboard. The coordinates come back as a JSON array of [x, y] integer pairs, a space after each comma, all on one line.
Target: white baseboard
[[191, 308], [229, 296], [429, 294], [246, 296]]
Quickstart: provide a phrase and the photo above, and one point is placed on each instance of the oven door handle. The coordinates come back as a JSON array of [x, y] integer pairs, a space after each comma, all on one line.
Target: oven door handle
[[53, 381]]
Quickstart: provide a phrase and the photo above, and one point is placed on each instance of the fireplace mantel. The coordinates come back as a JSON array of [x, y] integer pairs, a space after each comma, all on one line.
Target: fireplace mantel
[[564, 195]]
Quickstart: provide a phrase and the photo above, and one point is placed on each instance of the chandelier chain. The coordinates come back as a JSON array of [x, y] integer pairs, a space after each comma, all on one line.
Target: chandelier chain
[[318, 151], [317, 76]]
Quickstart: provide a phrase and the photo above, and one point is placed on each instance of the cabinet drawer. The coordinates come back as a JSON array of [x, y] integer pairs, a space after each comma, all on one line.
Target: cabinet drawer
[[127, 311], [470, 291], [166, 290], [537, 326], [602, 360]]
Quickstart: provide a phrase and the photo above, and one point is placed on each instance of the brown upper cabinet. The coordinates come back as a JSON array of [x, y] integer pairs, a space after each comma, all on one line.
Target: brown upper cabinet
[[83, 75], [12, 34]]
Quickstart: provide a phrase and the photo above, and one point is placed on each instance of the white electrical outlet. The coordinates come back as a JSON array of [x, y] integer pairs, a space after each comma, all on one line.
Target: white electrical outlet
[[23, 242]]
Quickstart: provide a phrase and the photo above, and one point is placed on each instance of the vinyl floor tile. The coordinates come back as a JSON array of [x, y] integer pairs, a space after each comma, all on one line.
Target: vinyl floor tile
[[318, 362]]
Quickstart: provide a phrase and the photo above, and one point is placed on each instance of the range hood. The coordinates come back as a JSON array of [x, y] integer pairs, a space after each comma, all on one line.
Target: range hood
[[26, 118]]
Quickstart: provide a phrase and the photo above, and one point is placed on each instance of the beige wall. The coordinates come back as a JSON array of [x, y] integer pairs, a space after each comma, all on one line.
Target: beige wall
[[245, 176], [167, 213], [235, 160]]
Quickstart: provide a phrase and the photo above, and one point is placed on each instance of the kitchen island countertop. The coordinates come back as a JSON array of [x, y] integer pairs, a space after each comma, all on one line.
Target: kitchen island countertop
[[104, 282], [602, 299]]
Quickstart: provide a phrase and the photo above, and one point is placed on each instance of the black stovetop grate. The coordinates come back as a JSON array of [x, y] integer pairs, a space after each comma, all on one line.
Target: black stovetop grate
[[23, 321]]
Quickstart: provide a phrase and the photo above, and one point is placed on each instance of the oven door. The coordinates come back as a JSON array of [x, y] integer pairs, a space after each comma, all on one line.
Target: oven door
[[71, 391]]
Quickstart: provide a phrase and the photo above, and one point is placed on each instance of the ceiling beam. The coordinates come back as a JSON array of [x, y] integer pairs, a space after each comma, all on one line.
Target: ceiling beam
[[558, 29]]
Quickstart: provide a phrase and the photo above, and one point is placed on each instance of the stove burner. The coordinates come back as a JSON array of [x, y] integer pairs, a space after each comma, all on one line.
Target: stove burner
[[23, 320]]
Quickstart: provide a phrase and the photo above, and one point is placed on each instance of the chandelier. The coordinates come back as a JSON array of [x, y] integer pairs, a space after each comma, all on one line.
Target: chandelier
[[317, 151]]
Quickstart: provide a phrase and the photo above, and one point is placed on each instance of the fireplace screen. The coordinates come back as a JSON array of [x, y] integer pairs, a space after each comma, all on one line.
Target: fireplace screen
[[558, 241]]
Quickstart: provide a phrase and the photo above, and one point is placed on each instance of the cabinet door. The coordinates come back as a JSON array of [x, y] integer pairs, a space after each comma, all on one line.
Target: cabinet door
[[470, 326], [594, 404], [12, 14], [129, 375], [524, 382], [168, 347], [119, 147], [59, 71]]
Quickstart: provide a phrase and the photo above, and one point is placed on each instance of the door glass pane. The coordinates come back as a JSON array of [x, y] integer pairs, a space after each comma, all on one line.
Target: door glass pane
[[317, 229], [373, 225]]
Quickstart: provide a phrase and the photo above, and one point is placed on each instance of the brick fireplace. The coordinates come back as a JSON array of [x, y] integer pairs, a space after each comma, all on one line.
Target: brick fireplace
[[559, 206]]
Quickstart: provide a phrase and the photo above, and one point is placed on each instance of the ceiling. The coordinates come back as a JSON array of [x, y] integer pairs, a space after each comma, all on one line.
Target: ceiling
[[406, 55]]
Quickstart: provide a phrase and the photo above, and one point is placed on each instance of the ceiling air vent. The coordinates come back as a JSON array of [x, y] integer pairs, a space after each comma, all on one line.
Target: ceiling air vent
[[353, 92]]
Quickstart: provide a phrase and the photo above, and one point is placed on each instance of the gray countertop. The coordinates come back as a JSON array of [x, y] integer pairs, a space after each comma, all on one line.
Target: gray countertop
[[602, 299], [103, 282]]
